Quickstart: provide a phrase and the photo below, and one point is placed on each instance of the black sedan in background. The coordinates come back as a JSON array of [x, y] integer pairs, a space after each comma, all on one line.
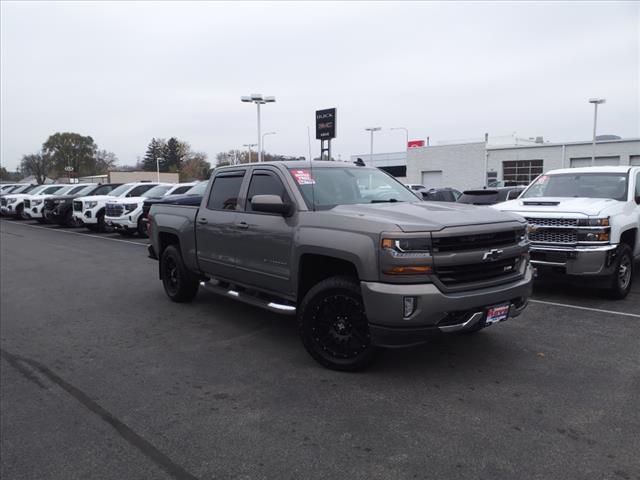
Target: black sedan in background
[[490, 196], [443, 194]]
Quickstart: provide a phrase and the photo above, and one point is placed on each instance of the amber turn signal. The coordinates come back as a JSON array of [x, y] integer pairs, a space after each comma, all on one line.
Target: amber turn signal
[[410, 270]]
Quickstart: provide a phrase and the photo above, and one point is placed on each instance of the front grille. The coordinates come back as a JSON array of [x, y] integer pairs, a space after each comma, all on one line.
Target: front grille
[[114, 210], [473, 242], [49, 205], [3, 202], [77, 206], [457, 274], [553, 236], [27, 204], [553, 222]]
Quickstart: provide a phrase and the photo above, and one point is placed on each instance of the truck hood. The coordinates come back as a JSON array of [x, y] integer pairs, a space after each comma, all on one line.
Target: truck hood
[[425, 216], [574, 205], [122, 201], [96, 198]]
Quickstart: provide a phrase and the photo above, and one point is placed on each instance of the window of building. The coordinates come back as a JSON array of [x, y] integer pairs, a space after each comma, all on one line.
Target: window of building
[[225, 191], [265, 183], [521, 172], [397, 171], [634, 160]]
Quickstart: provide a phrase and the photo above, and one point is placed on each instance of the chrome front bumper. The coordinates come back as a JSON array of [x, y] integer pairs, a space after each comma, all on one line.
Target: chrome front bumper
[[582, 260]]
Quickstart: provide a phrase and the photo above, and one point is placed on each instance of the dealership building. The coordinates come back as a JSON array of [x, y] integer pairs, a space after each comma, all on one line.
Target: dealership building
[[504, 161]]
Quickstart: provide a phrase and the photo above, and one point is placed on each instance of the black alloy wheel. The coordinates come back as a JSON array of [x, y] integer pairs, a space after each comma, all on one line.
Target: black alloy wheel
[[334, 326], [179, 283]]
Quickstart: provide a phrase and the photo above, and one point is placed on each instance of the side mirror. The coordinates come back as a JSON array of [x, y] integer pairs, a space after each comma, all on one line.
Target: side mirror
[[270, 204]]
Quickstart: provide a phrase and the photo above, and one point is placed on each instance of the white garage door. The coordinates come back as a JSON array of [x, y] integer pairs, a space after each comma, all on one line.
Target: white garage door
[[600, 162], [432, 179]]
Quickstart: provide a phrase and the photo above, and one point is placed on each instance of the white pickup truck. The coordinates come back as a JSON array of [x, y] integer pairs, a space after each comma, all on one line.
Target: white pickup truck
[[584, 221]]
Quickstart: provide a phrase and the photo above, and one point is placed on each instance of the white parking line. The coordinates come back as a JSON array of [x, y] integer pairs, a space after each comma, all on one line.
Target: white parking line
[[76, 233], [577, 307]]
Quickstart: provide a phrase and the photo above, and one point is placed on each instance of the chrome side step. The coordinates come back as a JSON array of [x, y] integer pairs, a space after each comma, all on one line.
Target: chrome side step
[[267, 304]]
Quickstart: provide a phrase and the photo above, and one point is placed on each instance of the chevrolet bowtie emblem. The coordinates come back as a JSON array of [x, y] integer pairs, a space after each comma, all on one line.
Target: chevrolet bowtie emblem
[[492, 255]]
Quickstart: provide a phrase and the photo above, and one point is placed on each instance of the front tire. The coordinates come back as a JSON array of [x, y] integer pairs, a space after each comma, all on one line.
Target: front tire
[[333, 325], [142, 228], [100, 226], [179, 283], [622, 277]]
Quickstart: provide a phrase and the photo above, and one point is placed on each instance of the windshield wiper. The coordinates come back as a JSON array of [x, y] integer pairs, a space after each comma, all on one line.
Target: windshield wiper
[[391, 200]]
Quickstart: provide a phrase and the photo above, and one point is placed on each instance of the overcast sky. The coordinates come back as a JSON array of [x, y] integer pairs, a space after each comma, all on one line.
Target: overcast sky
[[125, 72]]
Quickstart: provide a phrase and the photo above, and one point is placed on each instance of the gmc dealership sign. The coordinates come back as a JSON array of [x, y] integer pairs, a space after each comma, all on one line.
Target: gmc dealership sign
[[326, 124]]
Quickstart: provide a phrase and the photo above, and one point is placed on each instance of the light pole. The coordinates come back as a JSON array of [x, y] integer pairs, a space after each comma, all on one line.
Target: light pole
[[158, 167], [372, 130], [596, 102], [258, 99], [406, 132], [249, 145], [265, 134]]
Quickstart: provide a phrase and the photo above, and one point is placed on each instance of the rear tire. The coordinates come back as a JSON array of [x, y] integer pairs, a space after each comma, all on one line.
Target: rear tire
[[179, 283], [333, 325], [622, 277]]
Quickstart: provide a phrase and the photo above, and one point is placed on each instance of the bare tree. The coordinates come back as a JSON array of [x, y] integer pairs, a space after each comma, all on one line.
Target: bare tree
[[37, 164]]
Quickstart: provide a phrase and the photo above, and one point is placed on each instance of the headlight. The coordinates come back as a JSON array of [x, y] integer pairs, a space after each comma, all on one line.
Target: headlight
[[12, 200], [36, 202], [130, 207], [593, 222], [595, 235], [407, 247], [90, 204]]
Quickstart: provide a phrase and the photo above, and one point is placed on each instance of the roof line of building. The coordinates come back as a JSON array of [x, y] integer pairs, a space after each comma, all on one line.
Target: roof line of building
[[560, 144]]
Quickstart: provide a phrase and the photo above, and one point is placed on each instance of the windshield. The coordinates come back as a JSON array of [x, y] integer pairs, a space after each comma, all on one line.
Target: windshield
[[81, 189], [347, 186], [49, 190], [121, 190], [157, 191], [65, 190], [588, 185], [197, 189]]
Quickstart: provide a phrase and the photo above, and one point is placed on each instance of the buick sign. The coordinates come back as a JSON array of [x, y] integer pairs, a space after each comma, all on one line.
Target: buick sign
[[326, 124]]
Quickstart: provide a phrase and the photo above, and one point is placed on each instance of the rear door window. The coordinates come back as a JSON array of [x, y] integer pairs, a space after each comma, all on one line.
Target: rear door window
[[225, 191]]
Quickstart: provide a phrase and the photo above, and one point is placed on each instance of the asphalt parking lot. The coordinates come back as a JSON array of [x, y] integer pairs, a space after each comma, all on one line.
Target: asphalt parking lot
[[103, 377]]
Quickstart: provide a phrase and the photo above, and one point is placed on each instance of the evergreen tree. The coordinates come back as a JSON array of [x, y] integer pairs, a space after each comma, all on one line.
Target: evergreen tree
[[155, 151], [174, 153]]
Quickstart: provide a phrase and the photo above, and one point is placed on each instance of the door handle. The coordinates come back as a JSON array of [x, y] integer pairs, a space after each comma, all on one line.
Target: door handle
[[242, 225], [203, 221]]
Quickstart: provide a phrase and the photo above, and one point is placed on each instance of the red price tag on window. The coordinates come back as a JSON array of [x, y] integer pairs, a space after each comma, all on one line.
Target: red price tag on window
[[303, 177]]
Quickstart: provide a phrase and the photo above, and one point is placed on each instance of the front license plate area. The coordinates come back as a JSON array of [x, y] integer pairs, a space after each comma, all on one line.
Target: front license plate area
[[497, 313]]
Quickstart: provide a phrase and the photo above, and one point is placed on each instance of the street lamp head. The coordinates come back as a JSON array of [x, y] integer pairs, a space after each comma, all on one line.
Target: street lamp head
[[597, 101], [245, 99], [269, 99], [256, 97], [373, 129]]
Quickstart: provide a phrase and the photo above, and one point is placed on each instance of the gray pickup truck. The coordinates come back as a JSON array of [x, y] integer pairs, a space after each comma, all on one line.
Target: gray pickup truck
[[361, 260]]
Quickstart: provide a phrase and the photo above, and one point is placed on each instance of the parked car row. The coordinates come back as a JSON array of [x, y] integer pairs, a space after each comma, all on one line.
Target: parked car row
[[98, 207], [484, 196]]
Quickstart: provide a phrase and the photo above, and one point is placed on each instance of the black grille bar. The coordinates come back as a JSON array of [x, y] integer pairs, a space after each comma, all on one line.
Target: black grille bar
[[474, 242], [456, 274]]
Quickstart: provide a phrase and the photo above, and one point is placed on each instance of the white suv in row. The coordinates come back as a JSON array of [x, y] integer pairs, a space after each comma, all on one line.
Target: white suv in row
[[92, 210], [125, 214]]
